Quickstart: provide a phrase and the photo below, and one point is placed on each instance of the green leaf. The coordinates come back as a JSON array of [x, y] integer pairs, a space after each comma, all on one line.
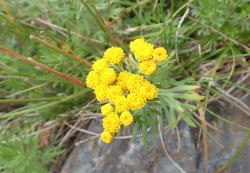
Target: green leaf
[[192, 96], [153, 103], [171, 117], [174, 103], [152, 121], [135, 131], [145, 135], [188, 119], [154, 111], [184, 88], [161, 120], [169, 113], [189, 106]]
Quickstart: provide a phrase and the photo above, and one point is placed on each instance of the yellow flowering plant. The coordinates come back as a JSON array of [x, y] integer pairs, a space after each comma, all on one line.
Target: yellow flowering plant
[[139, 91]]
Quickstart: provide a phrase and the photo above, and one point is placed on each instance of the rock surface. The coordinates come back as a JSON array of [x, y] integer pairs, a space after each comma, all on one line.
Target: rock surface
[[124, 156], [230, 137]]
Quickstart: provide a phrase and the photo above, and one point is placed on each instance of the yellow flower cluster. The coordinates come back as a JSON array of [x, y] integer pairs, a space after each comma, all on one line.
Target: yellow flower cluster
[[147, 55], [125, 91], [128, 93], [107, 137], [114, 55], [126, 118]]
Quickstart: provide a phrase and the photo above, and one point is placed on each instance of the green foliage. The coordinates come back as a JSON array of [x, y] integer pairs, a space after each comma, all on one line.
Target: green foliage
[[24, 155], [173, 101]]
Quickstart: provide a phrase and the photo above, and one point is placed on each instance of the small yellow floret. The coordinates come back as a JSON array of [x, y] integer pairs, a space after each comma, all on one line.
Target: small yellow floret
[[108, 76], [147, 67], [135, 101], [160, 54], [134, 81], [113, 92], [122, 79], [143, 50], [111, 123], [126, 118], [93, 79], [134, 45], [121, 104], [107, 137], [148, 91], [100, 65], [107, 109], [101, 92], [114, 55]]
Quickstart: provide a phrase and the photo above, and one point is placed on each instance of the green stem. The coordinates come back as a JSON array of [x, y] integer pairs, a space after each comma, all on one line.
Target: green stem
[[29, 100], [46, 105], [228, 121]]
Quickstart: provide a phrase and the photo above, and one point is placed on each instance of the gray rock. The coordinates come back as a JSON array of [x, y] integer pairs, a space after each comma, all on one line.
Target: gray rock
[[124, 156], [230, 137]]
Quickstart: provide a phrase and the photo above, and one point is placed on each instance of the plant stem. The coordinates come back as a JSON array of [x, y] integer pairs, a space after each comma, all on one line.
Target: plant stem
[[28, 100], [80, 93], [83, 61], [42, 66]]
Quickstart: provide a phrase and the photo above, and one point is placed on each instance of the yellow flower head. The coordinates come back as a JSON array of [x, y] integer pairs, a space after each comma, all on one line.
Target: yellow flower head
[[100, 65], [147, 67], [101, 92], [107, 137], [121, 104], [129, 81], [126, 118], [134, 81], [93, 79], [134, 45], [135, 101], [108, 76], [160, 54], [107, 109], [145, 53], [142, 49], [122, 79], [113, 92], [148, 91], [111, 123], [114, 55]]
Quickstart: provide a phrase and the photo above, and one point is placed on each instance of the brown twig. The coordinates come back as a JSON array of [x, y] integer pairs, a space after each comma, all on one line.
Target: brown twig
[[42, 66], [205, 138], [57, 41], [207, 124], [87, 63]]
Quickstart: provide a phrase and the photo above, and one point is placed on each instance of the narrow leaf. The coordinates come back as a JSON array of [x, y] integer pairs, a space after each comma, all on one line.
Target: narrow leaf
[[135, 131]]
